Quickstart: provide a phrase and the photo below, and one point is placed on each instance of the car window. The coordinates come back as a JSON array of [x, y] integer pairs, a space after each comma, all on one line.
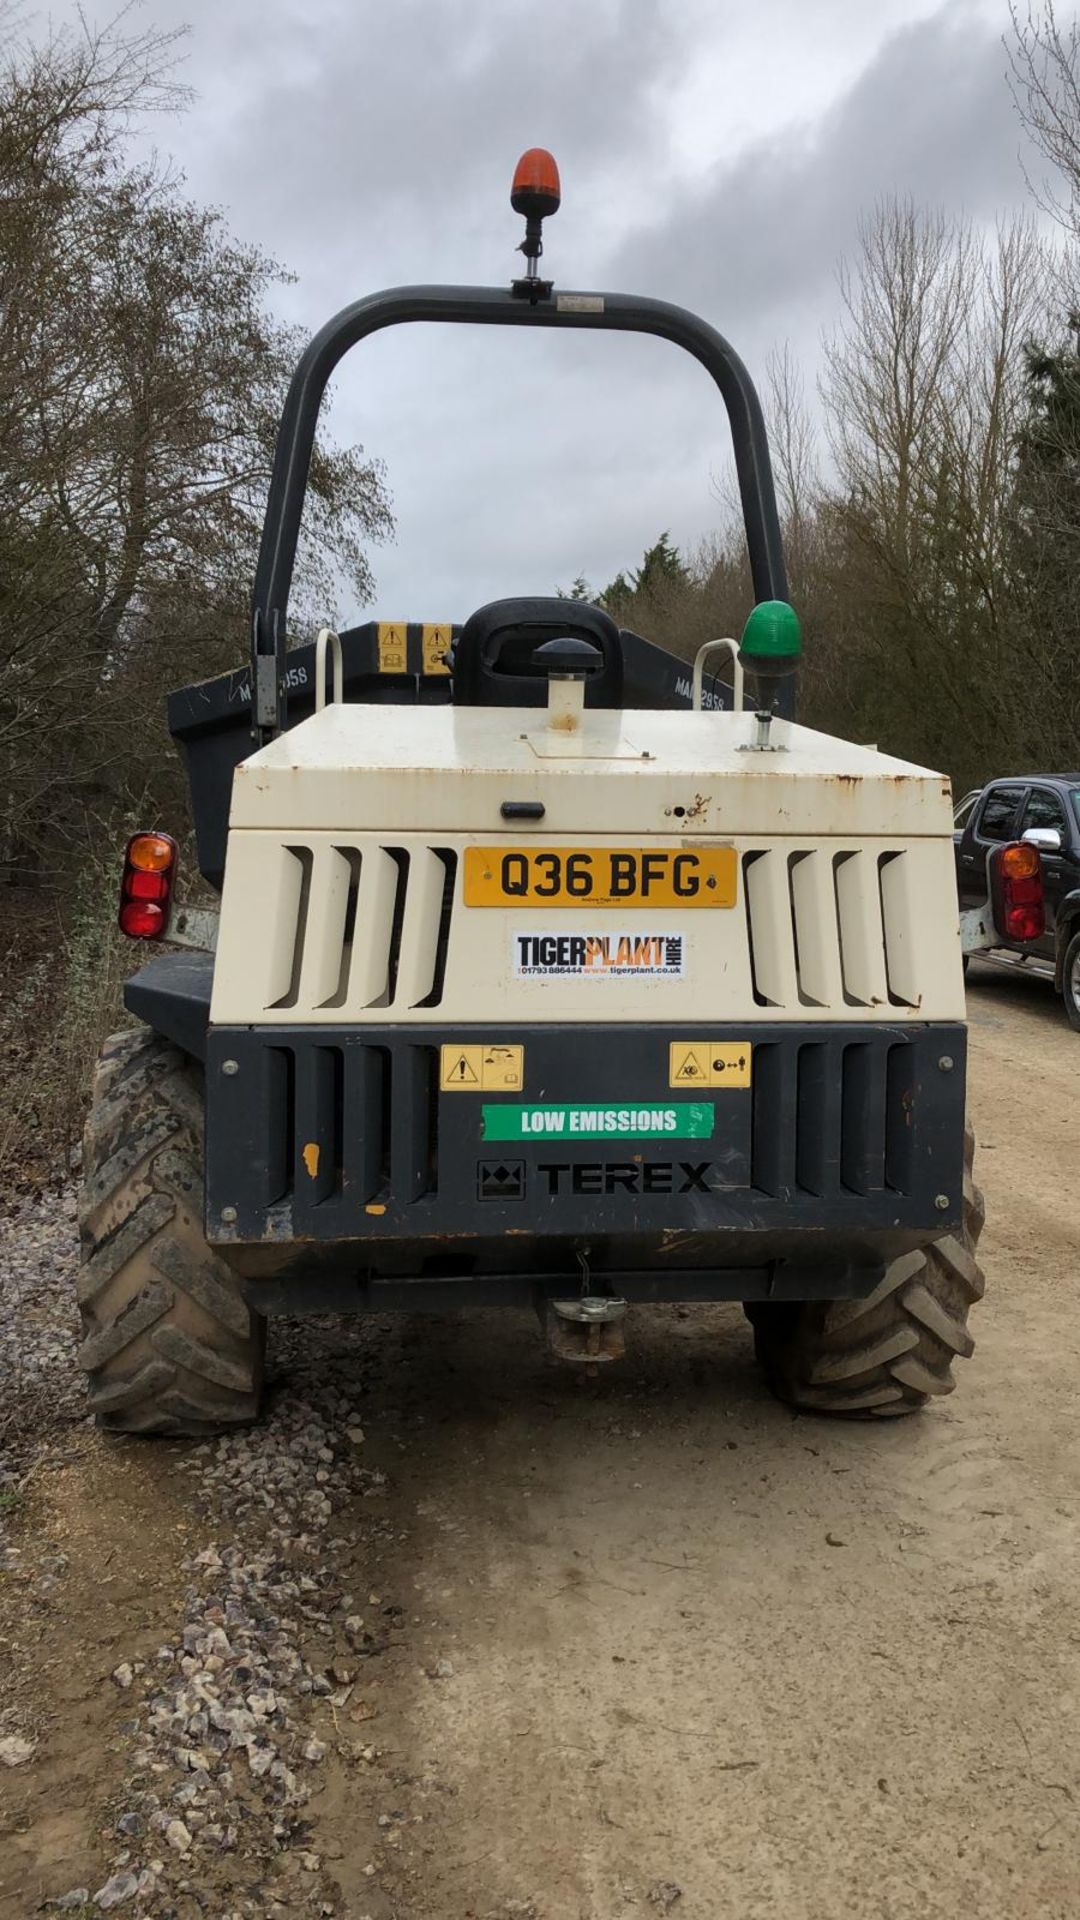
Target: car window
[[999, 813], [966, 808], [1044, 809], [1075, 797]]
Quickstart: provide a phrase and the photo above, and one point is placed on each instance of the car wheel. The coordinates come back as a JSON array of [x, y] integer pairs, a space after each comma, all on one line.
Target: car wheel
[[1070, 982]]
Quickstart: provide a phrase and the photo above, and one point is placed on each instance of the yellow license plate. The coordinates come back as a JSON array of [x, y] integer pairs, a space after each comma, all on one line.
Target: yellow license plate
[[600, 876]]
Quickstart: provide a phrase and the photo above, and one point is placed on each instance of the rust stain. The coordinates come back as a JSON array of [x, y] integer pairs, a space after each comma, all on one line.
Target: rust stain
[[374, 1207], [311, 1159]]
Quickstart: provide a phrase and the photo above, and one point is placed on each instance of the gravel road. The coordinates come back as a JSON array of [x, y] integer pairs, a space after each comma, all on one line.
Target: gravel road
[[454, 1637]]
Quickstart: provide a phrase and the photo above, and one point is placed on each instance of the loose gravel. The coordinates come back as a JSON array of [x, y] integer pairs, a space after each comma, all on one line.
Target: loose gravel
[[233, 1717], [39, 1324]]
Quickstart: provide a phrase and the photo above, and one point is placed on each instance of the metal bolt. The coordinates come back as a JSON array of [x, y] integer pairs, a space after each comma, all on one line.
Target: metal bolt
[[941, 1202], [946, 1063], [228, 1214], [230, 1066]]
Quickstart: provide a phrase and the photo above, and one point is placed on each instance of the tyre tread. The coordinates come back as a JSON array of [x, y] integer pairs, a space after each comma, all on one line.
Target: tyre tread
[[892, 1351], [170, 1345]]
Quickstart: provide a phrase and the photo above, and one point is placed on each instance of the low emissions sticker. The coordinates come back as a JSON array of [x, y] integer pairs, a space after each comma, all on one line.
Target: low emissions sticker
[[681, 1120], [620, 955]]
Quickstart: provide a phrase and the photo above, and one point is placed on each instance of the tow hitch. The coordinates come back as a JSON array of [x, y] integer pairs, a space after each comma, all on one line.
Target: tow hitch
[[587, 1332]]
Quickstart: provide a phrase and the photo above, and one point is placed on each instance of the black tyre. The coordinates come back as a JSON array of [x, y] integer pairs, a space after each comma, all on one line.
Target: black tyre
[[170, 1345], [1070, 982], [893, 1351]]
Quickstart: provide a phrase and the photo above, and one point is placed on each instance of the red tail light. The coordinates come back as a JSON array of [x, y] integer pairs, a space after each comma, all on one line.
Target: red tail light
[[1016, 891], [146, 889]]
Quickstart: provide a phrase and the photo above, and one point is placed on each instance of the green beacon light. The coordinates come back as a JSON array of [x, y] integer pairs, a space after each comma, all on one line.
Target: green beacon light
[[771, 643]]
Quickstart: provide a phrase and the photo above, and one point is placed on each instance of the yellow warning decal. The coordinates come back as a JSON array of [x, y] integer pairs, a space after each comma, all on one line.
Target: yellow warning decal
[[435, 645], [393, 646], [460, 1067], [491, 1069], [690, 1065], [709, 1063]]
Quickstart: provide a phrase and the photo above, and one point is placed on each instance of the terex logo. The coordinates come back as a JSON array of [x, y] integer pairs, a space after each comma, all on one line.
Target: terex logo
[[625, 1176]]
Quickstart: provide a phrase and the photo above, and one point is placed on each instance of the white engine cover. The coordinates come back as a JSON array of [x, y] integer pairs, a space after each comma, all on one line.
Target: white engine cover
[[343, 897]]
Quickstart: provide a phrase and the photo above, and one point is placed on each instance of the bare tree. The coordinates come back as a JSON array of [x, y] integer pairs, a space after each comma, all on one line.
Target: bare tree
[[1044, 76], [925, 391], [794, 445]]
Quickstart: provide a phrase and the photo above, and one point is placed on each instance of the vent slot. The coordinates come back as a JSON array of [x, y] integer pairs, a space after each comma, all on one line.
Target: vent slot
[[419, 975], [814, 929], [899, 918], [401, 862], [366, 1121], [290, 1121], [373, 933], [750, 860], [772, 1121], [770, 929], [900, 1118], [277, 1108], [817, 1124], [318, 1124], [384, 1136], [337, 1117], [305, 860], [431, 1101], [860, 930], [414, 1124], [353, 860], [862, 1129], [448, 860]]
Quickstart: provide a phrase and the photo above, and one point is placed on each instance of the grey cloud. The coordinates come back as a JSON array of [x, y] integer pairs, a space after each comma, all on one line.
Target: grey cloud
[[754, 247], [368, 144], [930, 117], [391, 135]]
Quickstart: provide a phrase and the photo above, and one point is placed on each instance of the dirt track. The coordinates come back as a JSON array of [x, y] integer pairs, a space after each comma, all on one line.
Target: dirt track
[[657, 1635]]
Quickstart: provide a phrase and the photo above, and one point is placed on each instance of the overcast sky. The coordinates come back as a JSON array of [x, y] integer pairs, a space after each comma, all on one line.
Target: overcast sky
[[712, 153]]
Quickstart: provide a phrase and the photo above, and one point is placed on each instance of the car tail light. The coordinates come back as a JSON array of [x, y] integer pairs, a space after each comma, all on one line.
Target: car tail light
[[1016, 891], [146, 889]]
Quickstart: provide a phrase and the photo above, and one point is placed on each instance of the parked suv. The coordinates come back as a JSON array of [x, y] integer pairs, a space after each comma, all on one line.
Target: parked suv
[[1045, 810]]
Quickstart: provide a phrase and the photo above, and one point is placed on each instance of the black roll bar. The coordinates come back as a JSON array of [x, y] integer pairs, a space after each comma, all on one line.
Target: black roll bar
[[491, 306]]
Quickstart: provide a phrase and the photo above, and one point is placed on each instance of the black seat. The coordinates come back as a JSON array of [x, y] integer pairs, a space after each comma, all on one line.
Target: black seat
[[494, 658]]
